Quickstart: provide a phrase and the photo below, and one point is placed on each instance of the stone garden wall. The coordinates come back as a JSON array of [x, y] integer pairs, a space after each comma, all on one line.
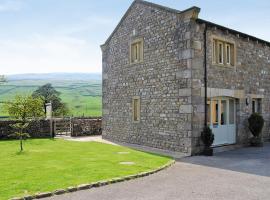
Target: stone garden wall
[[86, 126], [36, 129], [41, 128]]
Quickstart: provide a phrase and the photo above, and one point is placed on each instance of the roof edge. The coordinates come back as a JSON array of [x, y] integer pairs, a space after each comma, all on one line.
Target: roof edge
[[202, 21], [142, 2]]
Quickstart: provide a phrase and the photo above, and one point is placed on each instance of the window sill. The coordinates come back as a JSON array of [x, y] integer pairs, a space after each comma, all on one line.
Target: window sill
[[135, 63], [222, 65]]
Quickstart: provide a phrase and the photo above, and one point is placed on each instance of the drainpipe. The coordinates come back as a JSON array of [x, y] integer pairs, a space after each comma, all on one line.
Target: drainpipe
[[205, 75]]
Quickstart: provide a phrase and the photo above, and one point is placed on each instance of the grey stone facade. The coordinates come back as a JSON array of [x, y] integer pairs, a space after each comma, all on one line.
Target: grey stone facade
[[170, 80]]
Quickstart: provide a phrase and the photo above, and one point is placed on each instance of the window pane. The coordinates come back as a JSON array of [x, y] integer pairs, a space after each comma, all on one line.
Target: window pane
[[223, 117], [228, 54], [231, 112], [220, 53], [253, 106], [208, 112], [215, 109], [259, 106]]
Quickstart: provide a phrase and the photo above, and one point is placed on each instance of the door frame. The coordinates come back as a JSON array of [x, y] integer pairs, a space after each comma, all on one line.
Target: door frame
[[229, 138]]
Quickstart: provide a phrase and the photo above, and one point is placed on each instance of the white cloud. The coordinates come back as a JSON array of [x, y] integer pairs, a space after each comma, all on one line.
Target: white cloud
[[10, 5], [41, 54]]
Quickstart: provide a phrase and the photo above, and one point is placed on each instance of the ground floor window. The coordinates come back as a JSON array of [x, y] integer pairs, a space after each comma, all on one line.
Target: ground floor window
[[256, 105], [136, 109]]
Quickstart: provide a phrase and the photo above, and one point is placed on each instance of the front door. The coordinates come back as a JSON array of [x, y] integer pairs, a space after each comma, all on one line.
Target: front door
[[222, 120]]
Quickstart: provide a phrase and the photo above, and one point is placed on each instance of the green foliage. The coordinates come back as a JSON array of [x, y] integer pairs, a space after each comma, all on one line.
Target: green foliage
[[82, 97], [255, 124], [207, 136], [19, 134], [48, 165], [49, 94], [25, 107]]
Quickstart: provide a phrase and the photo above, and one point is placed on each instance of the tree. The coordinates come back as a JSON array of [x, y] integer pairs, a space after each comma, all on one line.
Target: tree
[[49, 94], [24, 109]]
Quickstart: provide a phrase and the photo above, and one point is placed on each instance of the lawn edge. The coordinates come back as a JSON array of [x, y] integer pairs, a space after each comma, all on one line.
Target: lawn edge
[[88, 186]]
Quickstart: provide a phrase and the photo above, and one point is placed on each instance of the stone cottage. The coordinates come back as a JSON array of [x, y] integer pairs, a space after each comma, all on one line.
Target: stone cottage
[[167, 73]]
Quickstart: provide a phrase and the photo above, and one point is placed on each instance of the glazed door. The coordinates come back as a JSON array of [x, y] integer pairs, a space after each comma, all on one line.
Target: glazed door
[[222, 120]]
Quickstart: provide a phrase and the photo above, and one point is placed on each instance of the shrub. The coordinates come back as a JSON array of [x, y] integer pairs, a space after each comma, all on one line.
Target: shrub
[[256, 123], [207, 136]]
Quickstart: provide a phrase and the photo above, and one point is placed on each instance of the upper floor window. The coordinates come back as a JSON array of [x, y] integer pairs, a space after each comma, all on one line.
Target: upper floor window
[[223, 53], [136, 51]]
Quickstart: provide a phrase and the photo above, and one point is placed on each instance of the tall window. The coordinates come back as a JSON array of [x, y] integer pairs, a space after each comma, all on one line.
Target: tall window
[[223, 53], [136, 109], [136, 51], [220, 53]]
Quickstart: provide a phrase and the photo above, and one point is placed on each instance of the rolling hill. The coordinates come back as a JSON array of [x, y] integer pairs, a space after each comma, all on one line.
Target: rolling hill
[[81, 91]]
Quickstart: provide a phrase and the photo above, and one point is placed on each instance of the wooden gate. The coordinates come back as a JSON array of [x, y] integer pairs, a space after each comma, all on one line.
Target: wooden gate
[[62, 126]]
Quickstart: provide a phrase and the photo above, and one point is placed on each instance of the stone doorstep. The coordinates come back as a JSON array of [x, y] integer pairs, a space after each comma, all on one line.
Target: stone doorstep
[[94, 184]]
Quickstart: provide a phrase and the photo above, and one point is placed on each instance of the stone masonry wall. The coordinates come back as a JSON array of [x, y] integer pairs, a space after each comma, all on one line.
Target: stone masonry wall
[[86, 126], [250, 75], [162, 80], [36, 129]]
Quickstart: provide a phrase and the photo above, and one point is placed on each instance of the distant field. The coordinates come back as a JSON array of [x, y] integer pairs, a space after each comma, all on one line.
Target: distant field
[[83, 97]]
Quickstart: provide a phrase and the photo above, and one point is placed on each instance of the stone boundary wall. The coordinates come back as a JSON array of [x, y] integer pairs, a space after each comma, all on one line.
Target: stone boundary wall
[[41, 128], [86, 126], [36, 129]]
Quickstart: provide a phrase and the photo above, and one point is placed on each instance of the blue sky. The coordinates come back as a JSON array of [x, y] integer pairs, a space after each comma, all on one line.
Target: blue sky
[[40, 36]]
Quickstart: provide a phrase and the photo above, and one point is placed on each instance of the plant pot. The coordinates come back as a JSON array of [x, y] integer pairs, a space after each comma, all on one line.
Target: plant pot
[[256, 142], [208, 151]]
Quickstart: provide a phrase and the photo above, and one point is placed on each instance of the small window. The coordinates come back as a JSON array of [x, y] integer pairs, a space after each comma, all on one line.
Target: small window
[[136, 51], [136, 109], [223, 53], [256, 106]]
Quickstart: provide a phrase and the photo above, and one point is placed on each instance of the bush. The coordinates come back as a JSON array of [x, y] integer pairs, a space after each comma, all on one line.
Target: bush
[[207, 136], [256, 123]]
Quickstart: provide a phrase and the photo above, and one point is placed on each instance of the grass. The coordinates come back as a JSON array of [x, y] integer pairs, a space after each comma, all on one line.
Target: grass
[[82, 97], [47, 165]]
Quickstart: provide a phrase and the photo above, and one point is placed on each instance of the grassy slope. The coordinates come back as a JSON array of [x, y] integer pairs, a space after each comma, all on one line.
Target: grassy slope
[[82, 97], [47, 165]]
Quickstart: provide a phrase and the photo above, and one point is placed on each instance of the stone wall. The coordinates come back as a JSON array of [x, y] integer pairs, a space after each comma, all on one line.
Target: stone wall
[[36, 129], [249, 78], [86, 126], [162, 80]]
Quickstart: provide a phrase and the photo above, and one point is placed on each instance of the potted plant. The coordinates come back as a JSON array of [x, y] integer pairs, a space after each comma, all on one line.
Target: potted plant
[[207, 137], [255, 125]]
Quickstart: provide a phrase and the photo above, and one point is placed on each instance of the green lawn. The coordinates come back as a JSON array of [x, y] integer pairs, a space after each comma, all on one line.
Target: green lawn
[[47, 165]]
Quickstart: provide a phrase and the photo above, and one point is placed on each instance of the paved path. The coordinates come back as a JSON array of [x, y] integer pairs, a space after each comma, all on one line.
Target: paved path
[[235, 175], [86, 139]]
